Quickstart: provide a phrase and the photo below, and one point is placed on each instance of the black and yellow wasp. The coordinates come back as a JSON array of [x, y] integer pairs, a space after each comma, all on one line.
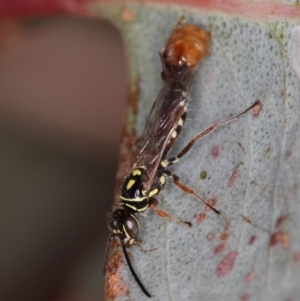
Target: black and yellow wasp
[[149, 171]]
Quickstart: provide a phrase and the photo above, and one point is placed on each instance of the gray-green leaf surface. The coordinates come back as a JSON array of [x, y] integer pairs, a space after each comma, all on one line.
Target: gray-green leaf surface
[[250, 166]]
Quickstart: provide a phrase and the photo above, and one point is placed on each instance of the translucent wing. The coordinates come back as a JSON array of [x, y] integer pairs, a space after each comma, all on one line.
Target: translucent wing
[[184, 50], [164, 116]]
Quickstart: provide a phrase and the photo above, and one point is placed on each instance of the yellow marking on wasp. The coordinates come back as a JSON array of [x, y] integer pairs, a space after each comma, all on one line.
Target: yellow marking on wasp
[[180, 122], [164, 163], [133, 200], [184, 94], [130, 184], [162, 180], [135, 219], [137, 209], [143, 167], [185, 108], [143, 209], [136, 172], [153, 192], [132, 241], [124, 230], [174, 134], [175, 160], [130, 206], [128, 240]]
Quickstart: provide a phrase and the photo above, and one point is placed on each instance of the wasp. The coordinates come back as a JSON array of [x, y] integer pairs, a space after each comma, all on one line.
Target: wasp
[[185, 49]]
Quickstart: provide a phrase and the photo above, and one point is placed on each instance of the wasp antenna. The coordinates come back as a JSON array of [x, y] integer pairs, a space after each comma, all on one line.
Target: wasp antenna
[[133, 272]]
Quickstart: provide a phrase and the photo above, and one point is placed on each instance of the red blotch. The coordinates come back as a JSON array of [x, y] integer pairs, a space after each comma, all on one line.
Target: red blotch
[[288, 154], [280, 237], [250, 276], [245, 297], [114, 243], [127, 15], [116, 287], [225, 267], [114, 283], [224, 236], [252, 239], [233, 177], [296, 257], [256, 109], [201, 217], [219, 248], [215, 151]]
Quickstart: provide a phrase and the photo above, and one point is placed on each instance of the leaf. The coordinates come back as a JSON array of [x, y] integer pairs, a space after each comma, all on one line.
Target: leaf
[[248, 167]]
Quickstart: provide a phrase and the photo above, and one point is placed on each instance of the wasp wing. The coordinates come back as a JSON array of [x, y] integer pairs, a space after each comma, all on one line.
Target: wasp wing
[[163, 119]]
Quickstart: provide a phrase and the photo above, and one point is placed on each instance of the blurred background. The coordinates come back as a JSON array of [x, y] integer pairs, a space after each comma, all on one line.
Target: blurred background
[[62, 99]]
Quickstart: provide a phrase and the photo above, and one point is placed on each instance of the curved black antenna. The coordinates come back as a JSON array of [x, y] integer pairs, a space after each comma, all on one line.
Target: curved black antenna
[[133, 272]]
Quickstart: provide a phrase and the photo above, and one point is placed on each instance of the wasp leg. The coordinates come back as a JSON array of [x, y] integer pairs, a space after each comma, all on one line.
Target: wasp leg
[[154, 202], [186, 189], [139, 242], [143, 250], [210, 129]]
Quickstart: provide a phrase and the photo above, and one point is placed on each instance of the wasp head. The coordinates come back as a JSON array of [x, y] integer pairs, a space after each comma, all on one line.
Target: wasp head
[[124, 224]]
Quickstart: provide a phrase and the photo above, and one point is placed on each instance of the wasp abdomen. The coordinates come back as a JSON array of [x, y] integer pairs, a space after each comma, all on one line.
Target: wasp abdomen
[[187, 46]]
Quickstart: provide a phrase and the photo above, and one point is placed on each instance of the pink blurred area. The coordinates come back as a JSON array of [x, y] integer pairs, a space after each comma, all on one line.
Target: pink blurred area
[[62, 98]]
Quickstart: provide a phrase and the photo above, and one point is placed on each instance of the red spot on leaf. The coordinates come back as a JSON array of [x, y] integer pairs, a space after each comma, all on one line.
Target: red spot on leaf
[[215, 151], [256, 109], [288, 154], [281, 238], [252, 239], [296, 257], [225, 267], [127, 15], [233, 177], [245, 297], [114, 244], [250, 276], [201, 217], [116, 286], [224, 236], [114, 283], [219, 248]]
